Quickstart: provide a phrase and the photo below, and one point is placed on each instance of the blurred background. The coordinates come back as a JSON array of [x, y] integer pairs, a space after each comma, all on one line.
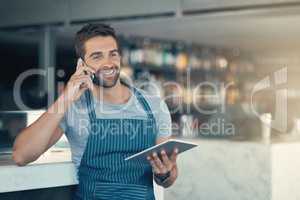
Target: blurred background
[[198, 55]]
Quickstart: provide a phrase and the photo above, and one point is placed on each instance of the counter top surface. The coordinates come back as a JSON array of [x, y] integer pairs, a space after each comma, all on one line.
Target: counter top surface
[[235, 170], [55, 155], [273, 141], [53, 169]]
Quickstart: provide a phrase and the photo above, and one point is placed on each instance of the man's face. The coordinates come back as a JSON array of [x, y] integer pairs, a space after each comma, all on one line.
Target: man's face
[[102, 54]]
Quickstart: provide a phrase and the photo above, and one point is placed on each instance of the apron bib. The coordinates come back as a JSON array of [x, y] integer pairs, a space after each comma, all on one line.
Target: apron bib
[[103, 174]]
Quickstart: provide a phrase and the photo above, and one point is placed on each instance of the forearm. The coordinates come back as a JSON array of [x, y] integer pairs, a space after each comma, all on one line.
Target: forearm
[[34, 140]]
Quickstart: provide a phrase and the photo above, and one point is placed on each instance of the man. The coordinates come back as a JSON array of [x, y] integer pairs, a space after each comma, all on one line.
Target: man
[[105, 121]]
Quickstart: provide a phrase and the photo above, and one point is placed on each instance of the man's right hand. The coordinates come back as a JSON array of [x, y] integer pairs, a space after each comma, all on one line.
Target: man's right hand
[[79, 82]]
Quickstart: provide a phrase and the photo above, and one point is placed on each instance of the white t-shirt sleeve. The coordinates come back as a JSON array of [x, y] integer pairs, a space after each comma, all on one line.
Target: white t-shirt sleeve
[[63, 124]]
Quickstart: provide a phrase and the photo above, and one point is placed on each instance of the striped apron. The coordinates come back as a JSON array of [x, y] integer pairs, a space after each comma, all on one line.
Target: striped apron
[[103, 174]]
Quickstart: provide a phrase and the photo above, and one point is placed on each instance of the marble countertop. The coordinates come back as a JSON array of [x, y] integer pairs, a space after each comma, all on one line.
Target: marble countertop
[[288, 139], [53, 169], [235, 170], [53, 155]]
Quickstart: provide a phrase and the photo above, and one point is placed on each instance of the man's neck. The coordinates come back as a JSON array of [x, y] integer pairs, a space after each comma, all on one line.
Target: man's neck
[[117, 94]]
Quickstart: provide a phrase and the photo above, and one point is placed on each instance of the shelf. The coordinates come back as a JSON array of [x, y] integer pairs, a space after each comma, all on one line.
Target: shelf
[[166, 68], [155, 69]]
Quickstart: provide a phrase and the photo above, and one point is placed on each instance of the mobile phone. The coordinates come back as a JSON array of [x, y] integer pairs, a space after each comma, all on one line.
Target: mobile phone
[[93, 77]]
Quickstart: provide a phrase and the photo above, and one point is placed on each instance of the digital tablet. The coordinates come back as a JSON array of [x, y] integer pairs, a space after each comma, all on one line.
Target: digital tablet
[[168, 146]]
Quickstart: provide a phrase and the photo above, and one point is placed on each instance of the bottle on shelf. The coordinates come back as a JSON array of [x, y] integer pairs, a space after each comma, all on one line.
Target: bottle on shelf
[[181, 58], [194, 59], [136, 53], [168, 58]]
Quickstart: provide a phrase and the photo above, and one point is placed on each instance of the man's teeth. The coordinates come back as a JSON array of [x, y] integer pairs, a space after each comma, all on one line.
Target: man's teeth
[[108, 71]]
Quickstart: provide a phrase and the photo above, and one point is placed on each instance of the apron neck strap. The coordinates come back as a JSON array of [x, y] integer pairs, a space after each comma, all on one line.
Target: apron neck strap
[[144, 103], [141, 99]]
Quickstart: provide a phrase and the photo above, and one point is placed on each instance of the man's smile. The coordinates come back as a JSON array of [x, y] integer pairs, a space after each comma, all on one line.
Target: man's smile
[[109, 72]]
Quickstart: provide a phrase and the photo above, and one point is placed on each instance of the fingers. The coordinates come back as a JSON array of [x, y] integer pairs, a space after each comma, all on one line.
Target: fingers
[[81, 68], [79, 82], [159, 164], [82, 81], [80, 76], [174, 155], [155, 168], [166, 161], [79, 63], [165, 164]]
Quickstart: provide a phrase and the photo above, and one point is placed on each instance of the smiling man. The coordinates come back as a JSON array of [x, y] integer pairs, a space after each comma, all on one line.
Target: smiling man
[[105, 121]]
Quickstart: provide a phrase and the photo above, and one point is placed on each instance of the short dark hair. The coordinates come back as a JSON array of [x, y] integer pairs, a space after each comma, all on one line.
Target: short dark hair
[[92, 30]]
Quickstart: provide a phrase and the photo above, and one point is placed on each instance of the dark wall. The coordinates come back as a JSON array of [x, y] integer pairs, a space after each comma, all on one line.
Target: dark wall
[[18, 57], [15, 59], [57, 193]]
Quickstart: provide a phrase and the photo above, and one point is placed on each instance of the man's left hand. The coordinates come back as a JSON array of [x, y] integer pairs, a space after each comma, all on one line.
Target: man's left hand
[[164, 165]]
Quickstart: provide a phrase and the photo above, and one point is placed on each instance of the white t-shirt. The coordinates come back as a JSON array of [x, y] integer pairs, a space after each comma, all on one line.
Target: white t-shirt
[[76, 123]]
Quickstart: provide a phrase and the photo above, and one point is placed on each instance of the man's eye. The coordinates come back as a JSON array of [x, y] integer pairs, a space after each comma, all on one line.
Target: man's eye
[[97, 57], [114, 54]]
